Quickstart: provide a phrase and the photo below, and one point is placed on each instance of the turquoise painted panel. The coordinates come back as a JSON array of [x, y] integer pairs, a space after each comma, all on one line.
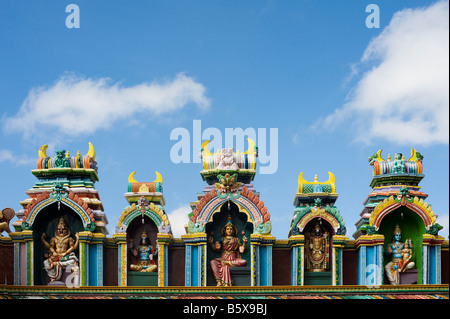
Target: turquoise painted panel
[[195, 267], [92, 264]]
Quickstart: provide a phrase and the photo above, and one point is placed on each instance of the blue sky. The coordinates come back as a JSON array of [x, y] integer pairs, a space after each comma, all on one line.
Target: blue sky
[[335, 90]]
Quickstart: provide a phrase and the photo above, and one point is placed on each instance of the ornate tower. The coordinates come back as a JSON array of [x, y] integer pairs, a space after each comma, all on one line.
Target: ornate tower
[[396, 205], [229, 196], [317, 234], [145, 214], [65, 191]]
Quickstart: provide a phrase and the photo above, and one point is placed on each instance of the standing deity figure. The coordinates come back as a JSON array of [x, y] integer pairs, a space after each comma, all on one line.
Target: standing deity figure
[[60, 251], [146, 255], [401, 257], [406, 256], [231, 248], [316, 248]]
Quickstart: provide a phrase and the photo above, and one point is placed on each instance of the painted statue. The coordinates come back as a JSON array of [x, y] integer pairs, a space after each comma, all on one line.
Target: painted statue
[[401, 257], [61, 161], [60, 251], [231, 248], [5, 216], [406, 256], [316, 248], [399, 164], [146, 255], [227, 160]]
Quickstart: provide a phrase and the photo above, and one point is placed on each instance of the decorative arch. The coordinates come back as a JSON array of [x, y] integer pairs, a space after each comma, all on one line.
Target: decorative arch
[[154, 212], [390, 204], [58, 195], [318, 213], [303, 215], [247, 203]]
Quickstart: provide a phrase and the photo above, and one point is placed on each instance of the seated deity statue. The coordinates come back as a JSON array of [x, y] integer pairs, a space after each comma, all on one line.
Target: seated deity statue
[[61, 161], [401, 257], [316, 248], [231, 249], [60, 251], [399, 164], [146, 255], [227, 160]]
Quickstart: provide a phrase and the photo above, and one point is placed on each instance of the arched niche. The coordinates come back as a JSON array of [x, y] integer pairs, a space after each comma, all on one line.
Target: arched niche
[[321, 276], [326, 227], [412, 226], [134, 231], [46, 222], [240, 219], [214, 229]]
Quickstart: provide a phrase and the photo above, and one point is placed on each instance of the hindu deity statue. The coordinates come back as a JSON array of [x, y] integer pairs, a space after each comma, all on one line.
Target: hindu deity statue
[[60, 160], [316, 248], [227, 160], [60, 251], [231, 249], [401, 257], [399, 164], [146, 254]]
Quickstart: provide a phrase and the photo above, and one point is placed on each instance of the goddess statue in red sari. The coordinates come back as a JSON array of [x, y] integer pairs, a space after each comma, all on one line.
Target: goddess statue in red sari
[[231, 248]]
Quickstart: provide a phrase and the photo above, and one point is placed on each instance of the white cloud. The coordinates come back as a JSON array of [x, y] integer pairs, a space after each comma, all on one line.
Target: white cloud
[[178, 218], [403, 97], [18, 160], [76, 105]]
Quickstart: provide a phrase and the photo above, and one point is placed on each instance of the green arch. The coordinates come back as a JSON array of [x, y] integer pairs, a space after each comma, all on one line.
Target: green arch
[[412, 226], [148, 212], [28, 223]]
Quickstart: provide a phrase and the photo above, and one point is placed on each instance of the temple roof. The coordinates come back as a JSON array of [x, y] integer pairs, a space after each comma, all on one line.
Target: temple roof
[[309, 191], [227, 161], [152, 191], [397, 170], [79, 170]]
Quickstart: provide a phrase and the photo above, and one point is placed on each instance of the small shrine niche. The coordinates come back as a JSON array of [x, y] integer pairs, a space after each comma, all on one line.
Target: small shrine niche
[[400, 228], [397, 234], [318, 244], [61, 223], [215, 230], [317, 234], [136, 229], [45, 228], [143, 235], [228, 240]]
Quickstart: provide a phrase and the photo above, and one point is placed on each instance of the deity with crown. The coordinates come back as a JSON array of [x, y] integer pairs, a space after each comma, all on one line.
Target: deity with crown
[[401, 257], [316, 248], [146, 254], [231, 248], [60, 251]]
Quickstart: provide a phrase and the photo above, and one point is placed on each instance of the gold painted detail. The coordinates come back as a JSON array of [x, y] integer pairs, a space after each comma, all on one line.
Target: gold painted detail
[[154, 208], [391, 200], [302, 182]]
